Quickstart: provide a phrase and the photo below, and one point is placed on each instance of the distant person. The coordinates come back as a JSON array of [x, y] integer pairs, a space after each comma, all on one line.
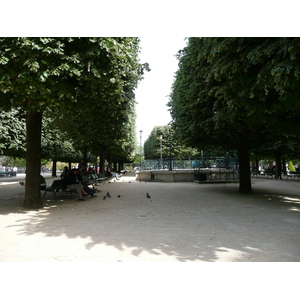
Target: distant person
[[15, 171], [82, 164]]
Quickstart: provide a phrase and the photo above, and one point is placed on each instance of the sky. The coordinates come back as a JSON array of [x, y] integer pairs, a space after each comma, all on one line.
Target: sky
[[152, 92]]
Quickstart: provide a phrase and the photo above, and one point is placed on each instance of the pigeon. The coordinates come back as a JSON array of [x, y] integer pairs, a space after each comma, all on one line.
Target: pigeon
[[108, 194], [148, 196], [104, 197], [129, 181], [119, 196]]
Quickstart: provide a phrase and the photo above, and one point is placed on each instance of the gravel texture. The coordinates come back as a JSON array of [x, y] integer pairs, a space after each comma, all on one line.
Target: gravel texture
[[181, 222]]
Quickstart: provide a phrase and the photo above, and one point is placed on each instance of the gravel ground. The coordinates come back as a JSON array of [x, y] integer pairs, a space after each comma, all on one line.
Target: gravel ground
[[181, 222]]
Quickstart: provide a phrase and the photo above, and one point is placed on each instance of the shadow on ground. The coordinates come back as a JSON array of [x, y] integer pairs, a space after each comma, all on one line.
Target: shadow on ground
[[181, 222]]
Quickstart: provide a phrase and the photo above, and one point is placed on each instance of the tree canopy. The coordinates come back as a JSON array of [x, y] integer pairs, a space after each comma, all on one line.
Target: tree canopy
[[236, 91], [12, 133], [168, 140], [87, 84]]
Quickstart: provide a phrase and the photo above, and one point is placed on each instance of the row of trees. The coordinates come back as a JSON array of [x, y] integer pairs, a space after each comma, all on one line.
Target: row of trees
[[239, 93], [79, 92], [164, 136]]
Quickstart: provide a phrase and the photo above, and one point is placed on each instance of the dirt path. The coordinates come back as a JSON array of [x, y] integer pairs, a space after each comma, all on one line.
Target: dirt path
[[182, 222]]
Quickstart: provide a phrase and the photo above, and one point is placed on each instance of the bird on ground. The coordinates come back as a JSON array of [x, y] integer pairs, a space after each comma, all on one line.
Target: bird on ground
[[148, 196], [108, 194], [119, 196], [104, 197], [129, 181]]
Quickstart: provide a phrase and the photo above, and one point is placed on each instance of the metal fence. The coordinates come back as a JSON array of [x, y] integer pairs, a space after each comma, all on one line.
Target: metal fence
[[205, 168], [190, 163]]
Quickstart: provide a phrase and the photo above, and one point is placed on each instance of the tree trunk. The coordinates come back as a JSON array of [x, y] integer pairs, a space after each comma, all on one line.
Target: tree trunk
[[257, 164], [284, 166], [54, 168], [242, 143], [102, 165], [245, 175], [278, 165], [33, 159]]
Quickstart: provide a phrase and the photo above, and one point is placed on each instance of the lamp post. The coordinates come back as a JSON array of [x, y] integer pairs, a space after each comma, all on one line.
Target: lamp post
[[160, 137], [141, 131], [170, 146]]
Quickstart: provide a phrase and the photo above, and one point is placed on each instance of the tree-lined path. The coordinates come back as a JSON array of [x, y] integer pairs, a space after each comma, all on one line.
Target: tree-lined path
[[182, 222]]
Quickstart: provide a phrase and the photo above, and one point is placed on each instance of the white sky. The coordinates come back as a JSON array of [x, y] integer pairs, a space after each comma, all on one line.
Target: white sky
[[152, 92]]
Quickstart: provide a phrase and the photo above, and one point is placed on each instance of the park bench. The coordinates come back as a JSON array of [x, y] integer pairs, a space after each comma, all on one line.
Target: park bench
[[293, 175], [8, 173], [86, 180], [255, 173], [102, 179], [267, 173], [56, 186], [96, 179]]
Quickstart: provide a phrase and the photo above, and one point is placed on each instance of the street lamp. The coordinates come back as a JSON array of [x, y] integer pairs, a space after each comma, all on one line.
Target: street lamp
[[161, 150], [141, 131], [170, 127]]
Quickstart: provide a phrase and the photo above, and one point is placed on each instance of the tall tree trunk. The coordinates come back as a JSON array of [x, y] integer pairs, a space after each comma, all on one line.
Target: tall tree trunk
[[102, 165], [284, 166], [278, 165], [54, 168], [33, 159], [245, 174], [257, 164], [242, 142]]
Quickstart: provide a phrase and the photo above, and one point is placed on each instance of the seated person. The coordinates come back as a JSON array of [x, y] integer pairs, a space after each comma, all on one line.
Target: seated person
[[115, 174], [74, 181], [64, 173]]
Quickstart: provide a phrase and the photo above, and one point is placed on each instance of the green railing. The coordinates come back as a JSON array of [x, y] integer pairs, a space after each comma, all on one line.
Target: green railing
[[190, 163]]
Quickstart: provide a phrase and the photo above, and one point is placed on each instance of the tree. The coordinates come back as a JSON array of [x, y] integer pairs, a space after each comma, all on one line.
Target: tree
[[152, 144], [12, 133], [228, 91], [62, 73]]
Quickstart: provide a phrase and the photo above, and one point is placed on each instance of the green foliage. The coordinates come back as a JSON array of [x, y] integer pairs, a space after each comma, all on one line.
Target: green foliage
[[152, 144], [227, 86], [236, 92], [12, 133], [88, 84]]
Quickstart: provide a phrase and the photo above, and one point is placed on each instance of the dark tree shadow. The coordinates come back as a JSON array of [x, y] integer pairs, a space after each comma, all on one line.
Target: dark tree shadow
[[186, 221]]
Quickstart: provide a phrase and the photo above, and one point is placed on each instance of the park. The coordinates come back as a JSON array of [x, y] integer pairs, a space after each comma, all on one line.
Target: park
[[71, 101]]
